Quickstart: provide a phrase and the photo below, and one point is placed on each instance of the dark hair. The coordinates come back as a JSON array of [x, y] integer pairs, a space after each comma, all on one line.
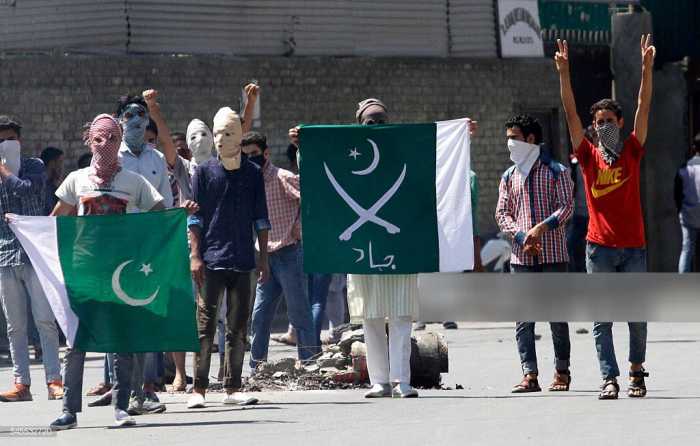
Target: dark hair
[[607, 104], [527, 125], [8, 122], [254, 138], [49, 154], [178, 135], [292, 153], [152, 126], [124, 101], [696, 143], [84, 160]]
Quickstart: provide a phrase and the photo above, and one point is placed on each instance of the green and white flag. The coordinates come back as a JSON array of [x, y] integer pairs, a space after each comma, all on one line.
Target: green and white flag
[[386, 199], [116, 283]]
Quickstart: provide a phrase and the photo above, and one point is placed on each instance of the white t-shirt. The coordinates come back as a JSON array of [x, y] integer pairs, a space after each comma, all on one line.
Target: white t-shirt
[[128, 192]]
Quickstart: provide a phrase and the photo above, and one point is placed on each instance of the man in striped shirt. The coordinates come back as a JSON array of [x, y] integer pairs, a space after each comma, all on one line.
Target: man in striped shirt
[[535, 201], [285, 256]]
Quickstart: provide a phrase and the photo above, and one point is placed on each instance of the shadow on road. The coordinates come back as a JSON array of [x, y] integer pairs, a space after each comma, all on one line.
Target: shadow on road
[[196, 424], [231, 409]]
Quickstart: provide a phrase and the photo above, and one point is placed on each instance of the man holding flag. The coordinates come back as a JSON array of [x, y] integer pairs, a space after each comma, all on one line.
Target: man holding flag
[[425, 208], [74, 259]]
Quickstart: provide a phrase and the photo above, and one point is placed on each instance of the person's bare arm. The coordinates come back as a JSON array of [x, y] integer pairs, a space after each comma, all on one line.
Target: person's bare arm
[[641, 119], [561, 58], [62, 209], [164, 137], [251, 92], [196, 263], [263, 262]]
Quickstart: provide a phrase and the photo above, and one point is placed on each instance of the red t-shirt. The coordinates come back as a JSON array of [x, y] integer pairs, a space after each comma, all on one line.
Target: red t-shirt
[[612, 194]]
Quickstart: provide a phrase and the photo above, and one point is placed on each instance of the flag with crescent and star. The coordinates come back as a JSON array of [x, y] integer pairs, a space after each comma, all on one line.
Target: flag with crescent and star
[[386, 199], [116, 283]]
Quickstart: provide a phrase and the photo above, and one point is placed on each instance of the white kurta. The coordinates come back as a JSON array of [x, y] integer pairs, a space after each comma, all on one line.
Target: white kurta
[[382, 296]]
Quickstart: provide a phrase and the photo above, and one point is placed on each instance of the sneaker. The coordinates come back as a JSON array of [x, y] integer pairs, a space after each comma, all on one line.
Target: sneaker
[[196, 401], [151, 396], [65, 421], [145, 407], [379, 391], [19, 393], [104, 400], [122, 418], [55, 389], [240, 399], [404, 390]]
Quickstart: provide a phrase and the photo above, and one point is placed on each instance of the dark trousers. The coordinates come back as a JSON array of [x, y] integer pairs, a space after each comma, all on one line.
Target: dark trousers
[[236, 287], [73, 381], [525, 331]]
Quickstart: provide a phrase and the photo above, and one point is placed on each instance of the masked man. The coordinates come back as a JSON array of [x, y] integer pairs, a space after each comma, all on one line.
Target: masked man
[[231, 193], [535, 201], [101, 189], [22, 182], [616, 239], [374, 299], [142, 157]]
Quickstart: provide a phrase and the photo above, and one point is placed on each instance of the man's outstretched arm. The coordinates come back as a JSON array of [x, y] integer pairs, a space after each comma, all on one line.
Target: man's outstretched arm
[[641, 119], [561, 58]]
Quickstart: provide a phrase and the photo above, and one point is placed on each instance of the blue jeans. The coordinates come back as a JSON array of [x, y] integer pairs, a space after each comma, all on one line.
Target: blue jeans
[[690, 238], [109, 368], [18, 286], [286, 276], [319, 285], [73, 380], [525, 331], [602, 259], [145, 370]]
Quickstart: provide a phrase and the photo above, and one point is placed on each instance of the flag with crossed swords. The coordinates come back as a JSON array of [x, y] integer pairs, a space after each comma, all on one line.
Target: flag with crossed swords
[[386, 199]]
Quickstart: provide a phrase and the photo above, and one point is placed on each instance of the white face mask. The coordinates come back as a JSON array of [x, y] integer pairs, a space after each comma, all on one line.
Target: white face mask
[[10, 155], [227, 137], [200, 141], [523, 155]]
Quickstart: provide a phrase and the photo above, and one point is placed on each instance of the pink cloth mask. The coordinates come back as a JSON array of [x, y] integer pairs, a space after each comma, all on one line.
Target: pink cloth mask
[[104, 139]]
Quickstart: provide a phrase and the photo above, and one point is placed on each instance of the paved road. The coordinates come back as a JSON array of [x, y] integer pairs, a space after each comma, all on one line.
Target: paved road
[[482, 359]]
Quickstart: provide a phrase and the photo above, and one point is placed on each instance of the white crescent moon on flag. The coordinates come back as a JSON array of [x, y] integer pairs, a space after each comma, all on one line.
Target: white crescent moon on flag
[[117, 288], [375, 160]]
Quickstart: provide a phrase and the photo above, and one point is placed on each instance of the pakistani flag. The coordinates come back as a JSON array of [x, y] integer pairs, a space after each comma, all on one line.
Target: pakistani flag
[[386, 199], [116, 283]]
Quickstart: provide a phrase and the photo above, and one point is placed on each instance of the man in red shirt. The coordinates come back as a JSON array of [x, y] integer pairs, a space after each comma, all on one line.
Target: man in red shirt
[[611, 171]]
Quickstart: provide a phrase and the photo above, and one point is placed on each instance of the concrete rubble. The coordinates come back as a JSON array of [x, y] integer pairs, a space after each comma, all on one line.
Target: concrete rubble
[[343, 365]]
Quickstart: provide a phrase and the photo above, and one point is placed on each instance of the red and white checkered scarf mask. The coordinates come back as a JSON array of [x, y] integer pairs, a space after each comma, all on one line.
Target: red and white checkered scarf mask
[[104, 139]]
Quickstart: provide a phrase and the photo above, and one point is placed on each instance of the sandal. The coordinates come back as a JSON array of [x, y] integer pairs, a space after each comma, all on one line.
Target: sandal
[[527, 385], [284, 339], [179, 386], [99, 389], [606, 393], [562, 381], [637, 387]]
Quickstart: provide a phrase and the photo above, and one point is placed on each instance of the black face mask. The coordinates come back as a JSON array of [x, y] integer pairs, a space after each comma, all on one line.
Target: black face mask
[[258, 159]]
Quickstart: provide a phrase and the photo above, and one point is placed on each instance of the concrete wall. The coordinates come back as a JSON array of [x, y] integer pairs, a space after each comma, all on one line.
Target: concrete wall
[[55, 96]]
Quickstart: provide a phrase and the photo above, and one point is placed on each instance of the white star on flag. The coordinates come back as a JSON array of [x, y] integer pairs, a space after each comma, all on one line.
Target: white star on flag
[[146, 269], [354, 153]]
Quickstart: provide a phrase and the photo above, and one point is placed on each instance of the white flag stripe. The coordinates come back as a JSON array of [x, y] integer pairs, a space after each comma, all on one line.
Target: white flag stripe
[[39, 239], [453, 194]]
